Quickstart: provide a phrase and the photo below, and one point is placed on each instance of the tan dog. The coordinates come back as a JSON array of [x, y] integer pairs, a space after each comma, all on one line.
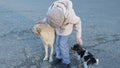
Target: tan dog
[[47, 34]]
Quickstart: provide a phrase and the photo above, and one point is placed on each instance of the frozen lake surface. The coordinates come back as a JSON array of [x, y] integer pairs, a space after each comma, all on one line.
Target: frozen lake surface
[[20, 48]]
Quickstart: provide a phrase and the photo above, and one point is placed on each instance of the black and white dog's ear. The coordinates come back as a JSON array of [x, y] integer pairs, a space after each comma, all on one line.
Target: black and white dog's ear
[[75, 47], [76, 44]]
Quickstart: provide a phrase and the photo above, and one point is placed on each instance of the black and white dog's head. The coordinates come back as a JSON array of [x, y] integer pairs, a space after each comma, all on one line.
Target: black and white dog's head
[[87, 57]]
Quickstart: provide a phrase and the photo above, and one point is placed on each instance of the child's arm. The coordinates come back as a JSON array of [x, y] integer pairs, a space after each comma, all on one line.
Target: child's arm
[[78, 28]]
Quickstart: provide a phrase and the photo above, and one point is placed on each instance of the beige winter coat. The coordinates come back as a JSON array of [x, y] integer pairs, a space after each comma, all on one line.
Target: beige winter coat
[[72, 20]]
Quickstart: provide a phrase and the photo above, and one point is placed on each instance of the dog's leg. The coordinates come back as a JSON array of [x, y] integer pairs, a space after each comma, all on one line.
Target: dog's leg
[[91, 66], [51, 53], [46, 52], [85, 65], [78, 57]]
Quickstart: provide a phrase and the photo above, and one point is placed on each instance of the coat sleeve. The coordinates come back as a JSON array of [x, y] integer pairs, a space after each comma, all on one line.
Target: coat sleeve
[[78, 28]]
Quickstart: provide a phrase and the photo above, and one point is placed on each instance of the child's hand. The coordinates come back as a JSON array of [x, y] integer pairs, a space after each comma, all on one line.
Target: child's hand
[[79, 40]]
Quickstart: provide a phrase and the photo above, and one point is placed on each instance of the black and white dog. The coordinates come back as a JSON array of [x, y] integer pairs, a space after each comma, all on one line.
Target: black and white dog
[[88, 59]]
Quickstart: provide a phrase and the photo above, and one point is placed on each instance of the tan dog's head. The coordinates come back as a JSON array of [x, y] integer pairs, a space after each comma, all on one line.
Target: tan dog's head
[[36, 29]]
